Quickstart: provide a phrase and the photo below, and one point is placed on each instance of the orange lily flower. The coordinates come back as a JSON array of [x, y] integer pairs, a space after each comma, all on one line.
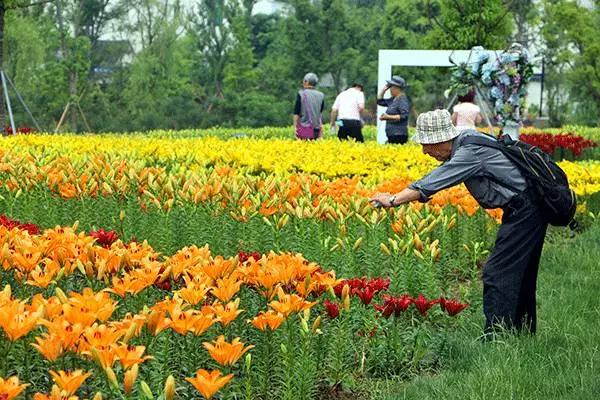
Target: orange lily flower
[[127, 322], [193, 293], [269, 319], [99, 337], [290, 303], [226, 353], [55, 394], [78, 315], [51, 306], [69, 381], [209, 383], [10, 388], [105, 357], [100, 304], [226, 288], [219, 267], [68, 333], [41, 278], [130, 355], [51, 347], [156, 321], [16, 321], [225, 314], [187, 258]]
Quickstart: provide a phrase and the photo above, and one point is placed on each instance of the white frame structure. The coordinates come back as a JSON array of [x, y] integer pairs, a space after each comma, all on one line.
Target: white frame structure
[[416, 58]]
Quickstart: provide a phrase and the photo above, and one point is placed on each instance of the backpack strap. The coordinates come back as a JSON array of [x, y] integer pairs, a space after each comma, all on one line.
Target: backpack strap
[[494, 144], [482, 141]]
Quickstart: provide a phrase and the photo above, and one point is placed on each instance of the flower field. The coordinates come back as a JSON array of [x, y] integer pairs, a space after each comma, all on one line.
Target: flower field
[[176, 267]]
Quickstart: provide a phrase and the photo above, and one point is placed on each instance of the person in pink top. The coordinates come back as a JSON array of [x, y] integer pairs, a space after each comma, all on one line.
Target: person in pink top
[[466, 115]]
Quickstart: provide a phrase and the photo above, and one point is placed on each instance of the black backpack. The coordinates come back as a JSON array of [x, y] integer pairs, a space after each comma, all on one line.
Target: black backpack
[[542, 174]]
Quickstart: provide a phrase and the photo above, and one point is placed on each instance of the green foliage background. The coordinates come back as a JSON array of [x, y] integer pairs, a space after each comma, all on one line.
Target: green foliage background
[[149, 64]]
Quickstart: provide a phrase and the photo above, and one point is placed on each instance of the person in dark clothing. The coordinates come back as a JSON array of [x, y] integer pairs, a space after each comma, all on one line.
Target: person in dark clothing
[[510, 273], [398, 109], [308, 109]]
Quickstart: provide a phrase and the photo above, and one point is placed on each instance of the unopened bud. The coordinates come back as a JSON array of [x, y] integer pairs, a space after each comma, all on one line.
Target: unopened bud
[[146, 390], [130, 378], [170, 388], [62, 297], [112, 378]]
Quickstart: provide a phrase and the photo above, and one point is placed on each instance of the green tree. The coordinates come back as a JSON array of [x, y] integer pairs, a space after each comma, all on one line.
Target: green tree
[[159, 92], [5, 6], [572, 56], [467, 23]]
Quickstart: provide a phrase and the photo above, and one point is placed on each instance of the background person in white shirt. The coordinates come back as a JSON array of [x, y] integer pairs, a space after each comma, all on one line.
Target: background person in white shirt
[[346, 109], [466, 115]]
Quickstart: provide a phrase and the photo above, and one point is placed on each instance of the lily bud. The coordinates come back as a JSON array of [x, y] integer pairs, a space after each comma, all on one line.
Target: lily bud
[[316, 324], [122, 215], [130, 378], [385, 249], [170, 388], [357, 243], [98, 396], [345, 291], [112, 378], [347, 303], [130, 333], [248, 362], [146, 390], [62, 297]]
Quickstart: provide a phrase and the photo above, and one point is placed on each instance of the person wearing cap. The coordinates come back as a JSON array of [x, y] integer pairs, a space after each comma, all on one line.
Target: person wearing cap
[[398, 109], [346, 111], [510, 273], [308, 108]]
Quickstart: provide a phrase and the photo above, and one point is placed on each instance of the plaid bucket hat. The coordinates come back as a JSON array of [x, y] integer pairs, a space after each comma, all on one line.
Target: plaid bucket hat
[[435, 127]]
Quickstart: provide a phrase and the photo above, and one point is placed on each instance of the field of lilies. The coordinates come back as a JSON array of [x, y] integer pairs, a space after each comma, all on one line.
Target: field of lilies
[[167, 266]]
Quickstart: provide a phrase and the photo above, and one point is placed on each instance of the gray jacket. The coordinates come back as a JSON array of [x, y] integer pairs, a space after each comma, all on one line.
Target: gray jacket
[[486, 172], [313, 106]]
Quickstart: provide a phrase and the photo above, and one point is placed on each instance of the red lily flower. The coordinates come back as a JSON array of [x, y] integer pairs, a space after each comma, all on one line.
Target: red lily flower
[[402, 303], [423, 305], [452, 307], [333, 309], [104, 238], [366, 295], [13, 223], [243, 256]]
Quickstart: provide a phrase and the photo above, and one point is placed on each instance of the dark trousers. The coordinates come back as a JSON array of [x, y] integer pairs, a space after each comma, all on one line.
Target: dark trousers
[[351, 128], [510, 274], [400, 139]]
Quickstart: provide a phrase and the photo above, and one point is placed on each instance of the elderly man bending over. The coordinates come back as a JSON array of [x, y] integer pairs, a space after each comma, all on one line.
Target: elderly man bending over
[[510, 273]]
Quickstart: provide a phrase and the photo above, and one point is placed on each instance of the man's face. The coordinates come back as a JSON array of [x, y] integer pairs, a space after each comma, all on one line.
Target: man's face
[[439, 151]]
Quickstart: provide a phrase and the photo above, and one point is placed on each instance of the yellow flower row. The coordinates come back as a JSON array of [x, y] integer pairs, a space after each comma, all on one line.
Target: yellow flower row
[[258, 176]]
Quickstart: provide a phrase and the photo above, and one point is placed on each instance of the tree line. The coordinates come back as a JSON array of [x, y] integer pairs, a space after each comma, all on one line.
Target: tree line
[[170, 64]]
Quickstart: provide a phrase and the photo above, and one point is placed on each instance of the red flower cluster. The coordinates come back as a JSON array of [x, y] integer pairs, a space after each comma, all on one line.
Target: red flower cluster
[[13, 223], [333, 309], [243, 256], [549, 143], [363, 288], [105, 238], [397, 305], [22, 130]]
